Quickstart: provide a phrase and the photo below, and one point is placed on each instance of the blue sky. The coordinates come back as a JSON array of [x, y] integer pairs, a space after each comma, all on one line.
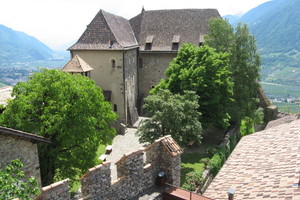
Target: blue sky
[[58, 23]]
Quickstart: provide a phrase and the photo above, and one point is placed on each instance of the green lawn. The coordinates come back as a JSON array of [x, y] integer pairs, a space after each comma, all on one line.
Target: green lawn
[[191, 162]]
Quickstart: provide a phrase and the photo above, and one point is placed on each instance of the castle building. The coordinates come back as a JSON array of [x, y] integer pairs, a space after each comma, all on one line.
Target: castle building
[[126, 58]]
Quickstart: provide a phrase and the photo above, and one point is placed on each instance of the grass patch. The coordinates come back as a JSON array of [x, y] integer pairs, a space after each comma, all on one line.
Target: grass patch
[[191, 162]]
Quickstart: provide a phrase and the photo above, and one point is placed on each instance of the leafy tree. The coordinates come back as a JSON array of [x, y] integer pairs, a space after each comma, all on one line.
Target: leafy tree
[[68, 109], [206, 72], [13, 185], [244, 64], [171, 114]]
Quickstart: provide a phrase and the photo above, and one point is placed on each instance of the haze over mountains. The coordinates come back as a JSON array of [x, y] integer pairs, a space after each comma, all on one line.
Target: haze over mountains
[[20, 47]]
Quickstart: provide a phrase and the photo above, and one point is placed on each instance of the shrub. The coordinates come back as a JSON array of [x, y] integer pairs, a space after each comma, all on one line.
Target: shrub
[[193, 180], [219, 158]]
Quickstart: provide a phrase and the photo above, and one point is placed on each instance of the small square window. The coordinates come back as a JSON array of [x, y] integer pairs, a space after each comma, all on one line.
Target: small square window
[[175, 46], [148, 46]]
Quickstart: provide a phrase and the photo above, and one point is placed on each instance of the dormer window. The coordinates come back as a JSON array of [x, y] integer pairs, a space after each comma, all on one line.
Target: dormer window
[[149, 40], [175, 46], [175, 42], [148, 46]]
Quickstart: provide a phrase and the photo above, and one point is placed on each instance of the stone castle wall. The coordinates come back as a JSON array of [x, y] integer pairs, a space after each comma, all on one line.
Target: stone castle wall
[[55, 191], [136, 172], [12, 148]]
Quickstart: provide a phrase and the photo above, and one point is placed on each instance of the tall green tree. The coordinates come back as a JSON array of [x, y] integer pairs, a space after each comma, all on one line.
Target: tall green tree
[[13, 184], [171, 114], [206, 72], [68, 109], [244, 63]]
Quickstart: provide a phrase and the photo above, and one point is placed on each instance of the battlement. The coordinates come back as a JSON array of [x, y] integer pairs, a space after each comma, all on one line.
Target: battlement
[[136, 172]]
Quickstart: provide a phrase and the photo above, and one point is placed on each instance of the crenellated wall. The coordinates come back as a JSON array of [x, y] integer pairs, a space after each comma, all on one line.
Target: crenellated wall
[[56, 191], [136, 172]]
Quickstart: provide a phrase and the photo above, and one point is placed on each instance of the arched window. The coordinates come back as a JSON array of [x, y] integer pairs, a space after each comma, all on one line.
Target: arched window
[[141, 63], [113, 63]]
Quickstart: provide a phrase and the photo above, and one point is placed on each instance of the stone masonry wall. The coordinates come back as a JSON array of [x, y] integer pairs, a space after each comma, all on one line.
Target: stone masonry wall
[[134, 175], [56, 191], [12, 148]]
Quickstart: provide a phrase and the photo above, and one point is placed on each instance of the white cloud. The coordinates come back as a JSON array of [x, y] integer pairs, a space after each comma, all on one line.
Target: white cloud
[[57, 22]]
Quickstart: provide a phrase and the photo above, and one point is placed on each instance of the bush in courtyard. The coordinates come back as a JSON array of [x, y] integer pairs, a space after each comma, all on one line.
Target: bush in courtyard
[[193, 180]]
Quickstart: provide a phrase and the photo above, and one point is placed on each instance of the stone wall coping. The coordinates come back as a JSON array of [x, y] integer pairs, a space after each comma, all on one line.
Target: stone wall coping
[[93, 169], [54, 185], [118, 180], [129, 154]]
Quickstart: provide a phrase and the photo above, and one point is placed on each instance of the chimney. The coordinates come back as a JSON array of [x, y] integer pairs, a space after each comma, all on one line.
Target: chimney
[[230, 193]]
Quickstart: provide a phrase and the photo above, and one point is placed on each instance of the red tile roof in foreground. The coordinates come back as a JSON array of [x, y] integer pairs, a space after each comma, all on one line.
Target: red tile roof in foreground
[[262, 166]]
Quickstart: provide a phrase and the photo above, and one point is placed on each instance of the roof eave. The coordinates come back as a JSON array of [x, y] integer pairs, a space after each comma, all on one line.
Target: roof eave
[[20, 134]]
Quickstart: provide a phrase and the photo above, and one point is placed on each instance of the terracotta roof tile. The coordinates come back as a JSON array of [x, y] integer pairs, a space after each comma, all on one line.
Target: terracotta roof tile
[[77, 65], [262, 166], [169, 144]]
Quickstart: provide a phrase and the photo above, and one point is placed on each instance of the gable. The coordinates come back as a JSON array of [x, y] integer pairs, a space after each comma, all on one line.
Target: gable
[[106, 32]]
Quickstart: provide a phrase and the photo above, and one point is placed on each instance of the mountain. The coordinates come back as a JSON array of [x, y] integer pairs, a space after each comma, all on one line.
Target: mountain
[[16, 46], [276, 27]]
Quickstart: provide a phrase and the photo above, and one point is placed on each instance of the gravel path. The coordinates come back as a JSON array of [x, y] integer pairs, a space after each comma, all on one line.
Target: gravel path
[[124, 144]]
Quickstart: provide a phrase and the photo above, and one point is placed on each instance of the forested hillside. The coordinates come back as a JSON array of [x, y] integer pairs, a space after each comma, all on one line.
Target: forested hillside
[[276, 27]]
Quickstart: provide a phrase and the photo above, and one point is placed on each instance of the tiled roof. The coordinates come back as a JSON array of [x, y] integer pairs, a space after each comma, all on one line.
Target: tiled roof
[[169, 144], [185, 25], [77, 65], [23, 135], [103, 29], [262, 166]]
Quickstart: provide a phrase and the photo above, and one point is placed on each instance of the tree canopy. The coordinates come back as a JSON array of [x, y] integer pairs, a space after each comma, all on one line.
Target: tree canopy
[[244, 63], [68, 109], [13, 185], [171, 114], [203, 70]]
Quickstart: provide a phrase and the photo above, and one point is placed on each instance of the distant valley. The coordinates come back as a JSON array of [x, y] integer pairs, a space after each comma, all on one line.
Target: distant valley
[[276, 27]]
